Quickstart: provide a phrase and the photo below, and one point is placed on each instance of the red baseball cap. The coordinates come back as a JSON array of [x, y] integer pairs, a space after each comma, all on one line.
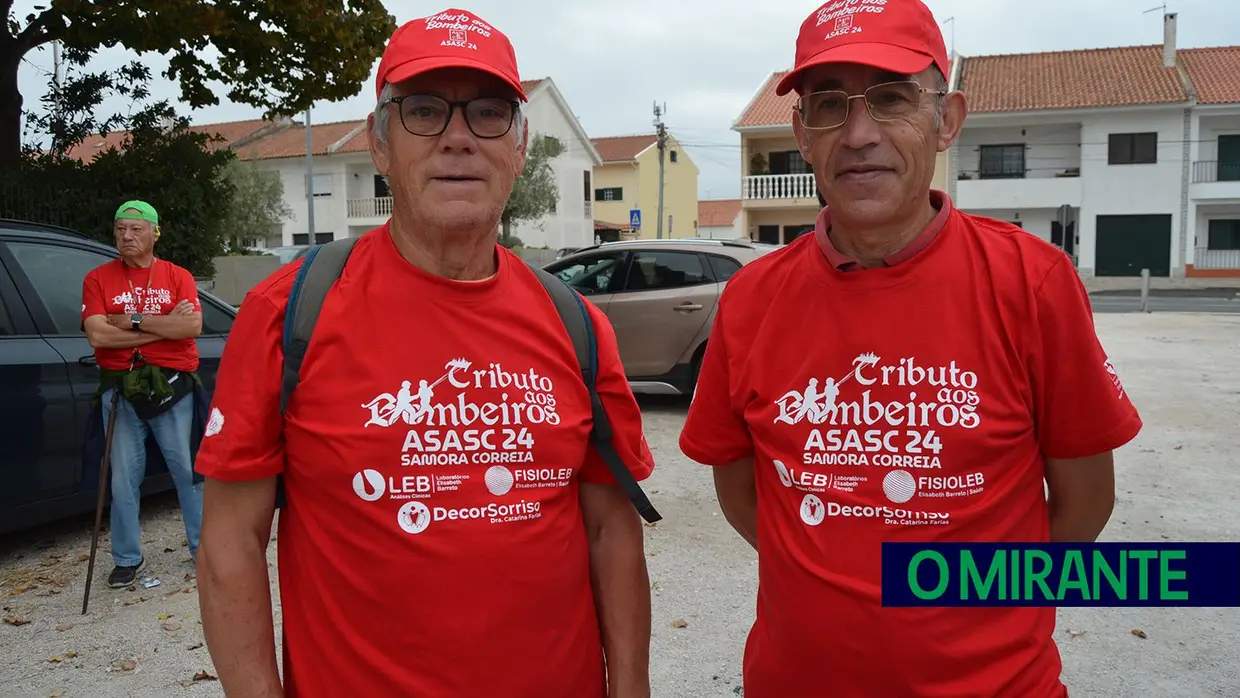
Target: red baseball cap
[[449, 39], [900, 36]]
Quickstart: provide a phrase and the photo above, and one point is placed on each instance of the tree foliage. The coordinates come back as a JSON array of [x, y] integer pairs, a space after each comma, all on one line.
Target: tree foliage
[[535, 193], [178, 171], [277, 56], [257, 204]]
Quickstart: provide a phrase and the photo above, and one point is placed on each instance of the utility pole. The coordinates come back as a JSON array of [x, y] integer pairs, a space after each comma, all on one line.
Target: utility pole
[[661, 130], [309, 177], [56, 64]]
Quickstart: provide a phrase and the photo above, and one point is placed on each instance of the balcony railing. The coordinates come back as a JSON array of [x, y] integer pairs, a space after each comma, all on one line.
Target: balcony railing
[[374, 207], [1215, 171], [780, 186], [1216, 259]]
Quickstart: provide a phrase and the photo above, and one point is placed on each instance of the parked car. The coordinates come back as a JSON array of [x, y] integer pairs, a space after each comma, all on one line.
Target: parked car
[[288, 253], [48, 375], [661, 297]]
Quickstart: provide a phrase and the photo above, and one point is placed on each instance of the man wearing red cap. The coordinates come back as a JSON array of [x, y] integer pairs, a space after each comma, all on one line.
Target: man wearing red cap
[[909, 372], [449, 531]]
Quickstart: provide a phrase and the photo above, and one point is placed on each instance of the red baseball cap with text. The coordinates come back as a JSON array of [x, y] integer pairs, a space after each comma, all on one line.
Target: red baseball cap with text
[[899, 36], [449, 39]]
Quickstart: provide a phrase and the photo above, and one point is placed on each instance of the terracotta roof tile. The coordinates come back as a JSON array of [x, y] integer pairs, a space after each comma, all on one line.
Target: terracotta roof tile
[[1215, 73], [769, 109], [527, 86], [718, 212], [230, 131], [622, 148], [1106, 77], [290, 142]]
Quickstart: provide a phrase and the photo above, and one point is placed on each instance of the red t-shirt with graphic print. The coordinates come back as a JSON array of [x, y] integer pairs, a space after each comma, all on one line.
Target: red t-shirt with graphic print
[[433, 543], [115, 288], [915, 402]]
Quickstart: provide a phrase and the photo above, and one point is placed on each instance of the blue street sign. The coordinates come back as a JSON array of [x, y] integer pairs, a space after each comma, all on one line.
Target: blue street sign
[[635, 219]]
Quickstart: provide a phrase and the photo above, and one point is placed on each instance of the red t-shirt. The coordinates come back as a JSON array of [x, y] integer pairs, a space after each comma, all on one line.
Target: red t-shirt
[[953, 375], [433, 542], [115, 288]]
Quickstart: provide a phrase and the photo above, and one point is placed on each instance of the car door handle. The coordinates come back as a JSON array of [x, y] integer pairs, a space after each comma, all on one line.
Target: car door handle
[[688, 307], [88, 360]]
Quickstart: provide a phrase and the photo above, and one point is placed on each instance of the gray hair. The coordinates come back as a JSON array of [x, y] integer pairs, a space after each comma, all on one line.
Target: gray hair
[[383, 115], [940, 85]]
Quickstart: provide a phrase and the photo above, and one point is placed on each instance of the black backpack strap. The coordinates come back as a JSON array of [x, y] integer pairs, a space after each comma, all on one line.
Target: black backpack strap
[[577, 321], [319, 271]]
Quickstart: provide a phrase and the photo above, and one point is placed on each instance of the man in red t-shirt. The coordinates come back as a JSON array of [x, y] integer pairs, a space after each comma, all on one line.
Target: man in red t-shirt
[[909, 372], [141, 315], [449, 531]]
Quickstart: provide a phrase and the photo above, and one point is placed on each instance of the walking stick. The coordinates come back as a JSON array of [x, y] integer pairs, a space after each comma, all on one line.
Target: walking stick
[[103, 479]]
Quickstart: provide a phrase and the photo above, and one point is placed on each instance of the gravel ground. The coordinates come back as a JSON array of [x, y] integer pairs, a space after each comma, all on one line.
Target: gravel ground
[[1177, 481]]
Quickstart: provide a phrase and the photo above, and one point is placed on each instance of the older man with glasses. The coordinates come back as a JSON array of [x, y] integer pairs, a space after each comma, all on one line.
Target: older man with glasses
[[959, 368], [449, 530]]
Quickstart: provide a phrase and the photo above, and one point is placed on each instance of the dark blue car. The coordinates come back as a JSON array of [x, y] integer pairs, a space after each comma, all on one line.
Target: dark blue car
[[48, 376]]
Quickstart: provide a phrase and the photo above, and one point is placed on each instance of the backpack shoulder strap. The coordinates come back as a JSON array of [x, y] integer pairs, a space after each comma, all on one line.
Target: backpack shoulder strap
[[319, 271], [580, 326]]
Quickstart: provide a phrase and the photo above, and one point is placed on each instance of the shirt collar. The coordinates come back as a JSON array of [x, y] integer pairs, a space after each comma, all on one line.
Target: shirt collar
[[940, 200]]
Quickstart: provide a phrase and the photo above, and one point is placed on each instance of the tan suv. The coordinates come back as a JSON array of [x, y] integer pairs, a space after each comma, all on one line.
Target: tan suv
[[660, 296]]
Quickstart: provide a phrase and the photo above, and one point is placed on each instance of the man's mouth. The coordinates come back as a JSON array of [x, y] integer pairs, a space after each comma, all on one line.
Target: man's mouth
[[861, 170], [457, 178]]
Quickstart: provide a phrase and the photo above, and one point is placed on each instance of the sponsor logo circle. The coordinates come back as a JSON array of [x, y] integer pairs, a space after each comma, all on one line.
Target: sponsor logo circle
[[784, 476], [414, 517], [899, 486], [499, 480], [369, 485], [812, 510]]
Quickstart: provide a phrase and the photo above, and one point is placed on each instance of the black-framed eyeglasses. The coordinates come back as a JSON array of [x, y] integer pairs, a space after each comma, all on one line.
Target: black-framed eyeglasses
[[888, 101], [428, 115]]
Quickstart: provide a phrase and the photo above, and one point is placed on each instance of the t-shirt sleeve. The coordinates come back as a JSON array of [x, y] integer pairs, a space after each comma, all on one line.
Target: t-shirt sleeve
[[187, 290], [625, 416], [1081, 406], [715, 432], [244, 436], [93, 301]]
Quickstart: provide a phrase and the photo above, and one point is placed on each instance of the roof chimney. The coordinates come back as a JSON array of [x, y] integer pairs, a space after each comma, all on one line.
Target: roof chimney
[[1169, 40]]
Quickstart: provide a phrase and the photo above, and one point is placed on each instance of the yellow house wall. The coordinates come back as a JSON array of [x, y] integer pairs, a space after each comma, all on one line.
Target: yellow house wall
[[680, 192], [625, 176]]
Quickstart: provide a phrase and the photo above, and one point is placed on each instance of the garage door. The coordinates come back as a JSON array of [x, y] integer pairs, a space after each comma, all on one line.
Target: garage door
[[1128, 244]]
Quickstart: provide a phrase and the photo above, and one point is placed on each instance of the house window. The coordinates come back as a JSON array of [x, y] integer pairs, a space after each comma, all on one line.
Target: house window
[[1132, 148], [323, 238], [381, 188], [1223, 234], [322, 184], [609, 194], [672, 155], [1005, 161], [789, 162], [585, 176], [301, 238]]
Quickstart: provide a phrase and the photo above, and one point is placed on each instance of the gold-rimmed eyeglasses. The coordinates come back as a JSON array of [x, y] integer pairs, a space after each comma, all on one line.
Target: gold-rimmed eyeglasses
[[428, 115], [888, 101]]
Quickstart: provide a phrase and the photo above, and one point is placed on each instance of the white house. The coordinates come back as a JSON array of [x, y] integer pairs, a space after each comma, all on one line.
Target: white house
[[350, 197], [1112, 154], [720, 219]]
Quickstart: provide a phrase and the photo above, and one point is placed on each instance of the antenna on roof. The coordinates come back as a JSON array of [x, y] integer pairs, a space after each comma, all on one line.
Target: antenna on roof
[[1162, 7], [952, 49]]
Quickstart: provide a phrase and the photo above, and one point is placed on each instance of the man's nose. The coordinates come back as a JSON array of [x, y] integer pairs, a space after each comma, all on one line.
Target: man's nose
[[859, 129], [457, 135]]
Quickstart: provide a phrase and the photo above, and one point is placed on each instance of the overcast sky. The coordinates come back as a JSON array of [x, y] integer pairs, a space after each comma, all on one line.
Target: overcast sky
[[613, 59]]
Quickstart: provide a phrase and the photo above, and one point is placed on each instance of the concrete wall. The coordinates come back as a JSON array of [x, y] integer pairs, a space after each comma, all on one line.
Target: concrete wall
[[235, 275]]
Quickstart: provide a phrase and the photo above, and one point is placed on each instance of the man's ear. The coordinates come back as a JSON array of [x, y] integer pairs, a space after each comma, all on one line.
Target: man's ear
[[378, 148], [523, 147], [955, 110]]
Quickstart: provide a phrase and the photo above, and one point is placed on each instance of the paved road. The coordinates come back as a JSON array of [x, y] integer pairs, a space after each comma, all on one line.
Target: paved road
[[1107, 303]]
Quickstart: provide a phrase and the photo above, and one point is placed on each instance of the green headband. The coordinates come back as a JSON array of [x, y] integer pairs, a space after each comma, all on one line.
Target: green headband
[[138, 210]]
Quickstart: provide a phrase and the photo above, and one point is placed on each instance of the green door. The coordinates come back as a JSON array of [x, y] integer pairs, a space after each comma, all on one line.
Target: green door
[[1228, 158], [1128, 244]]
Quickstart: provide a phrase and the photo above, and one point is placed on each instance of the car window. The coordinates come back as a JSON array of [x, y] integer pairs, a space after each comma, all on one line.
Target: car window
[[724, 267], [56, 272], [662, 270], [215, 320], [7, 328], [590, 274]]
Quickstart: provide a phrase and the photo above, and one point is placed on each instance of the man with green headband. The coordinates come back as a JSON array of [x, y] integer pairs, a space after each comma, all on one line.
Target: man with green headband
[[141, 315]]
